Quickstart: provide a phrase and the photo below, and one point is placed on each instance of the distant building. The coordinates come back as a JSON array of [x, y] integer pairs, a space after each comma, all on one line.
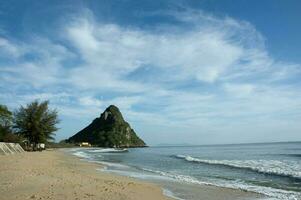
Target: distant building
[[84, 144]]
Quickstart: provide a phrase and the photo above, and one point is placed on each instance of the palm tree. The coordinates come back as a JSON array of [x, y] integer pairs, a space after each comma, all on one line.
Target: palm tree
[[36, 122]]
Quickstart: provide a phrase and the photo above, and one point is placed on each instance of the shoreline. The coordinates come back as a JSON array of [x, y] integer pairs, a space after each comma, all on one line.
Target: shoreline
[[59, 175], [205, 191]]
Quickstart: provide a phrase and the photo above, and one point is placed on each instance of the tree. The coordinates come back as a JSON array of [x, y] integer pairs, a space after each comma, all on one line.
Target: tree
[[6, 119], [36, 122]]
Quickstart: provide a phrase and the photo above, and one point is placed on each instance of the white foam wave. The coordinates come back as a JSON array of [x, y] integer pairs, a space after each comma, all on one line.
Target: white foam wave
[[108, 150], [270, 192], [275, 167], [82, 154], [111, 164], [169, 193], [136, 174]]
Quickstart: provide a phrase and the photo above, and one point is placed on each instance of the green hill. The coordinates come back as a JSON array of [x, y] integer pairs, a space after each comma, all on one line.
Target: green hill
[[108, 130]]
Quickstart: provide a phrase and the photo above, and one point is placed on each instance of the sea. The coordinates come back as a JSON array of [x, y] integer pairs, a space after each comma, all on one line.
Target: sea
[[272, 170]]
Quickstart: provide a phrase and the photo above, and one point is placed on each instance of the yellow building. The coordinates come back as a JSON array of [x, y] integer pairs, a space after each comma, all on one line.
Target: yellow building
[[84, 144]]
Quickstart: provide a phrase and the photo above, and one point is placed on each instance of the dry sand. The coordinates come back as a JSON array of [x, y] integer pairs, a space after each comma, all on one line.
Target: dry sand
[[56, 175]]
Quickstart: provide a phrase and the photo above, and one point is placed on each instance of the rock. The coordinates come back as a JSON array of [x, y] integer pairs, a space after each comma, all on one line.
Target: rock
[[108, 130]]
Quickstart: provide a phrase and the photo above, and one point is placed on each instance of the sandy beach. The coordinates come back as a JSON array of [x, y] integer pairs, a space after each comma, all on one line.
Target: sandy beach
[[57, 175]]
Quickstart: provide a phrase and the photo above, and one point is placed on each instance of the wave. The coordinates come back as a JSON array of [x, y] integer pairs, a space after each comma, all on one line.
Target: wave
[[170, 194], [82, 154], [137, 174], [156, 174], [109, 150], [267, 191], [292, 155], [291, 169], [115, 165]]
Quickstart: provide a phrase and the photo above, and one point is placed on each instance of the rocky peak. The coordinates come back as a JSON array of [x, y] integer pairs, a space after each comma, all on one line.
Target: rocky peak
[[112, 114], [109, 130]]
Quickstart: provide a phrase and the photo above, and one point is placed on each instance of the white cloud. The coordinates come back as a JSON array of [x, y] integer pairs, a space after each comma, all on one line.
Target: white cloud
[[38, 63], [114, 51], [14, 100], [8, 48], [239, 90], [90, 101]]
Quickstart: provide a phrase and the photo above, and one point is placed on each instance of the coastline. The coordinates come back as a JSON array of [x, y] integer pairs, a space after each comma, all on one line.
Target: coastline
[[59, 175]]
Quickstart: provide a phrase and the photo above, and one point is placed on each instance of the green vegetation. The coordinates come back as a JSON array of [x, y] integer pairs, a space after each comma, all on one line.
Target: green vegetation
[[108, 130], [61, 144], [36, 122], [29, 125], [6, 122]]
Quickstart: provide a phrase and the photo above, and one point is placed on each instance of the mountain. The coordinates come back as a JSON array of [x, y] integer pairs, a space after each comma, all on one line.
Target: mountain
[[108, 130]]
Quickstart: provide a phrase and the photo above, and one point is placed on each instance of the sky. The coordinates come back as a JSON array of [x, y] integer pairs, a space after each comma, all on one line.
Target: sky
[[193, 72]]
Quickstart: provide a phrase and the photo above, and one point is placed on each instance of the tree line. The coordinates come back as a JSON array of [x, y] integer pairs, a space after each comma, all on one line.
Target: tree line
[[32, 124]]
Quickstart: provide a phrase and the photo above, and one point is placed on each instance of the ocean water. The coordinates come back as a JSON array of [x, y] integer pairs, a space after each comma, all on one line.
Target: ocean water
[[271, 169]]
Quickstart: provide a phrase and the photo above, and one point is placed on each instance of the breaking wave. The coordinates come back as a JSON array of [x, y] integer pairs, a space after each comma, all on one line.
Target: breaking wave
[[108, 150], [82, 154], [287, 168], [268, 191]]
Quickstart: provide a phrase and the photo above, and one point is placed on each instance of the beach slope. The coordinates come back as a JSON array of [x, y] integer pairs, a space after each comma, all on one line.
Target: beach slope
[[55, 175]]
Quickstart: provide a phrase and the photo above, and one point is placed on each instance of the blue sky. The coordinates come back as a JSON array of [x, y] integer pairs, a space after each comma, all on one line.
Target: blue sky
[[199, 72]]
